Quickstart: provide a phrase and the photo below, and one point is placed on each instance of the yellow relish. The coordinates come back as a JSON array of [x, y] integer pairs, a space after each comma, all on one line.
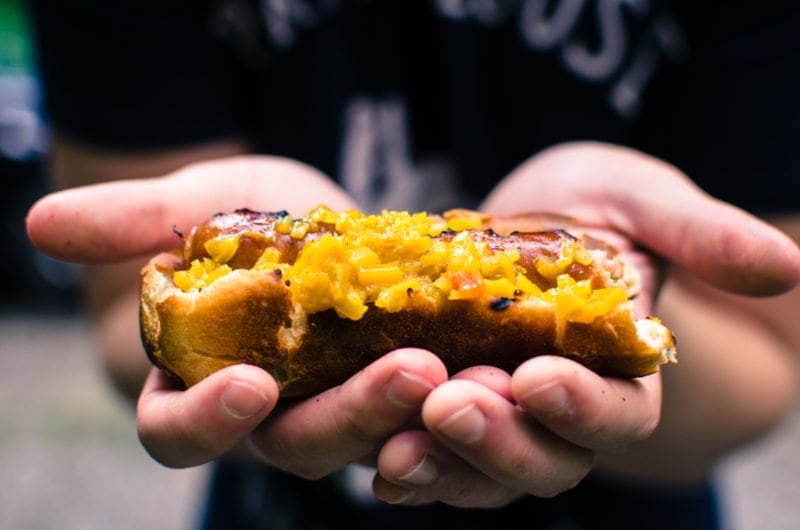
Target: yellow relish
[[200, 274], [386, 259]]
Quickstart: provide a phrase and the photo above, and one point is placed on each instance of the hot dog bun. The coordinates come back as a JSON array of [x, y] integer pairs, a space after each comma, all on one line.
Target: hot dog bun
[[313, 300]]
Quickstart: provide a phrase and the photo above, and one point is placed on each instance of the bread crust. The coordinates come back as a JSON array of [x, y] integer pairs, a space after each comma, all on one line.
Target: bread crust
[[248, 317]]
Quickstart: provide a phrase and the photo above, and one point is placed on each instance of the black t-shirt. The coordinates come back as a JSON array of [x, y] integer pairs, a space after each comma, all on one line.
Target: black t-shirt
[[405, 101], [245, 496], [389, 96]]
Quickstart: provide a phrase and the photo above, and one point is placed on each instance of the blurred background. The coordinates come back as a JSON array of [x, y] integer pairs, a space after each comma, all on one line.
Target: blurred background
[[69, 455]]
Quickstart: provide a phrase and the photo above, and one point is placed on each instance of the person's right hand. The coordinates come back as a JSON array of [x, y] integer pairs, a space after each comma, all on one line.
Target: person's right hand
[[311, 438]]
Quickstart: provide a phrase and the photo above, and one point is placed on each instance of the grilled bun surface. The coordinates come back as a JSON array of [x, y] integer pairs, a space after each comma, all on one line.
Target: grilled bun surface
[[314, 299]]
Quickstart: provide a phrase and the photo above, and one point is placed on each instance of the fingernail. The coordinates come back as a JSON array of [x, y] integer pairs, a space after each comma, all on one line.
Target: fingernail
[[407, 390], [465, 426], [423, 474], [550, 398], [241, 400]]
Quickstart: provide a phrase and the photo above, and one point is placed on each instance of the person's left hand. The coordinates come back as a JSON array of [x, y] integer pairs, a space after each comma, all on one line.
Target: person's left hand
[[492, 437]]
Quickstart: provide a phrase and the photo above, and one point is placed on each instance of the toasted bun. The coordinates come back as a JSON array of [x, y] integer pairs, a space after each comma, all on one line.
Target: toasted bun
[[249, 316]]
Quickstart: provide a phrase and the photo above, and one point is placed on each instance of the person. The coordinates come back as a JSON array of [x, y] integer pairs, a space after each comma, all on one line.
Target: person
[[166, 112]]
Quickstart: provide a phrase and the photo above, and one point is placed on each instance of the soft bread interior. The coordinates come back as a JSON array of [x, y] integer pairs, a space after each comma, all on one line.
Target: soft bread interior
[[658, 338]]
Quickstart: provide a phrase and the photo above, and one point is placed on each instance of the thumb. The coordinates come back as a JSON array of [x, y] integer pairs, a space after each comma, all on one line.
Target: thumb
[[655, 206], [718, 242], [192, 427]]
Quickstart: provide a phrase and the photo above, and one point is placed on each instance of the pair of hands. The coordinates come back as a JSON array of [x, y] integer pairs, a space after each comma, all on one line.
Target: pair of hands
[[478, 438]]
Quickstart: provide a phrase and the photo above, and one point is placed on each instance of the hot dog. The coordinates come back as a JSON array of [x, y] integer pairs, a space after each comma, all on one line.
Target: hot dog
[[313, 299]]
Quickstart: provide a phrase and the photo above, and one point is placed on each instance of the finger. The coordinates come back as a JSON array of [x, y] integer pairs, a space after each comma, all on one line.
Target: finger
[[319, 435], [123, 219], [718, 242], [493, 378], [411, 456], [187, 428], [501, 441], [601, 414], [659, 207], [414, 468]]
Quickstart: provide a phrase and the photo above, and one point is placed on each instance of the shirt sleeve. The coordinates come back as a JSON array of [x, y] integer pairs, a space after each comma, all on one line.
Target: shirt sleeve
[[139, 75]]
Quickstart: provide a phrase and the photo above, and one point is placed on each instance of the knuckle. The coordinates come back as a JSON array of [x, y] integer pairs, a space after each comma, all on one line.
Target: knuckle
[[361, 428], [470, 491], [158, 444], [289, 458], [159, 450], [499, 498], [647, 428], [553, 488], [358, 422], [560, 480]]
